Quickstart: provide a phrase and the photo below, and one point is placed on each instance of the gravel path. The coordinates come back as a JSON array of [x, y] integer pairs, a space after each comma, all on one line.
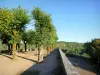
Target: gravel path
[[14, 67]]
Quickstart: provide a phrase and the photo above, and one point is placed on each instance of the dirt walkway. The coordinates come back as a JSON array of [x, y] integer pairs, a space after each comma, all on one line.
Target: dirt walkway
[[14, 67]]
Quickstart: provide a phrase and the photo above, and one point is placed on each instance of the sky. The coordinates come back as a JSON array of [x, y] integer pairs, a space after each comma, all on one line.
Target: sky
[[75, 20]]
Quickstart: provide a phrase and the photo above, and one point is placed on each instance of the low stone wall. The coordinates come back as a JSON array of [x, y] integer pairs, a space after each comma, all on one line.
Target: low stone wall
[[67, 66]]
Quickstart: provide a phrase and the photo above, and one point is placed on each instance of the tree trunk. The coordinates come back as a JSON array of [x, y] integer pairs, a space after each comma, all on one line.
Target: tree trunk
[[48, 50], [14, 50], [18, 47], [52, 47], [38, 54], [9, 48], [25, 46], [29, 47]]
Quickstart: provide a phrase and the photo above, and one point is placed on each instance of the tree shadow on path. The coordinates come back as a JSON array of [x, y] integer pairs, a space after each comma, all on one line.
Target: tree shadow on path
[[8, 56], [27, 58]]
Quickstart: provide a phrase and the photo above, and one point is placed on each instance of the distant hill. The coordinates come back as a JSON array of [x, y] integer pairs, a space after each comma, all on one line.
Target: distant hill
[[71, 47]]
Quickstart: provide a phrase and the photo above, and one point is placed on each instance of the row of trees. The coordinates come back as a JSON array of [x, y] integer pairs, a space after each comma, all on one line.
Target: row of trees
[[12, 29], [45, 30]]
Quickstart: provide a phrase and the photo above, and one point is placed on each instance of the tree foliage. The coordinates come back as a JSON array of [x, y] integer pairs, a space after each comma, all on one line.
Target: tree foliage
[[93, 50], [6, 18], [29, 36], [45, 30], [13, 21]]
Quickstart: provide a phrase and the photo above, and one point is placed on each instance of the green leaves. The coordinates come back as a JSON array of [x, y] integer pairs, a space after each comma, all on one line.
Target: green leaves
[[20, 18], [13, 22], [45, 31], [29, 37], [93, 48], [5, 20], [11, 41]]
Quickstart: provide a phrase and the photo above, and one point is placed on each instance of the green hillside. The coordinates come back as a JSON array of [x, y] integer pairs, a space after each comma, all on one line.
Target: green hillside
[[71, 47]]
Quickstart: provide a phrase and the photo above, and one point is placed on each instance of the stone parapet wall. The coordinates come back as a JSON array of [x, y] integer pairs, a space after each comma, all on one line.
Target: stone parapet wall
[[68, 67]]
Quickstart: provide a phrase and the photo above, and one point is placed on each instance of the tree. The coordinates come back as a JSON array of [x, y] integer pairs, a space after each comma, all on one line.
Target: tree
[[24, 39], [12, 23], [6, 18], [53, 36], [43, 27], [38, 16], [29, 38], [93, 50], [20, 20], [6, 40]]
